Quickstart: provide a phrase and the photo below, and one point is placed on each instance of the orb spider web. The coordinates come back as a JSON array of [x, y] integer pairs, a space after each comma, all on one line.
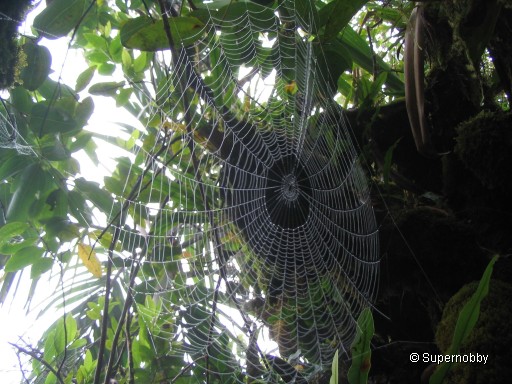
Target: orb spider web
[[246, 207]]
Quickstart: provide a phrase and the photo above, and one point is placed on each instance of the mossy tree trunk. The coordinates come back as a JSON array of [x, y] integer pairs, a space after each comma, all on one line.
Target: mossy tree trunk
[[451, 213]]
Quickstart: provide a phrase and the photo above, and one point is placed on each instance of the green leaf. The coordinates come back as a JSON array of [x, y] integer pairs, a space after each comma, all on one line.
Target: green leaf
[[126, 59], [98, 196], [79, 343], [61, 226], [106, 69], [337, 14], [13, 165], [50, 88], [261, 18], [361, 353], [78, 208], [23, 258], [11, 230], [123, 97], [147, 35], [139, 64], [84, 79], [45, 119], [84, 111], [58, 203], [388, 158], [39, 63], [51, 379], [361, 54], [115, 49], [59, 17], [108, 88], [71, 329], [80, 142], [31, 183], [21, 100], [468, 317], [334, 369], [40, 266], [333, 60], [96, 41], [53, 149], [97, 56], [60, 338]]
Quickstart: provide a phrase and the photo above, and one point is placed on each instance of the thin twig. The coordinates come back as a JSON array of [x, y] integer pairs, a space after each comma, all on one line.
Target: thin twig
[[131, 372], [105, 318], [127, 304], [41, 360]]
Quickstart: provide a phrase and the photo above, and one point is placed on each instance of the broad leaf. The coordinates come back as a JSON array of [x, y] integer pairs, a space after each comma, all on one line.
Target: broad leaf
[[108, 88], [361, 353], [59, 17], [31, 183], [334, 370], [90, 260], [84, 79], [337, 14], [39, 62], [147, 35], [466, 321], [362, 55], [23, 258], [47, 119]]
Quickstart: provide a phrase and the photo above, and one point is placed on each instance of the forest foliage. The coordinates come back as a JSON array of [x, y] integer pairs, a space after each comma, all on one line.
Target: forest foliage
[[53, 222]]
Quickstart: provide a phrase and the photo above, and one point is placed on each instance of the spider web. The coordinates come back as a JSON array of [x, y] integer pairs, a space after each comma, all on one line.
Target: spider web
[[247, 208], [10, 136]]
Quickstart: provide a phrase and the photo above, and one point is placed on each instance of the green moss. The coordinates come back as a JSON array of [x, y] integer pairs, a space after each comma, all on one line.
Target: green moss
[[491, 336], [14, 12], [483, 145]]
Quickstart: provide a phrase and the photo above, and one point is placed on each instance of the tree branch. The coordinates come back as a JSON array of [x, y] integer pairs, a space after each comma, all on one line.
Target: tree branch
[[41, 360]]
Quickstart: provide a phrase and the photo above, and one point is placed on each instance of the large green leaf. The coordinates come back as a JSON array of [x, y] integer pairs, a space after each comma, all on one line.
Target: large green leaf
[[98, 196], [108, 88], [39, 62], [31, 183], [334, 370], [45, 119], [466, 321], [83, 80], [21, 100], [337, 14], [23, 258], [59, 17], [53, 149], [50, 88], [260, 18], [361, 352], [13, 243], [145, 34], [362, 55], [14, 165]]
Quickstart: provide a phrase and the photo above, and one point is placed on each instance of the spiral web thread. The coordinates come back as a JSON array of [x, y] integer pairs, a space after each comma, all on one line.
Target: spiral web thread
[[252, 220]]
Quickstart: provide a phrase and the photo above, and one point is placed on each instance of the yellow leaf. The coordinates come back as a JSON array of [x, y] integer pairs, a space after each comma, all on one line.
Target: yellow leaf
[[291, 88], [187, 254], [90, 260]]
